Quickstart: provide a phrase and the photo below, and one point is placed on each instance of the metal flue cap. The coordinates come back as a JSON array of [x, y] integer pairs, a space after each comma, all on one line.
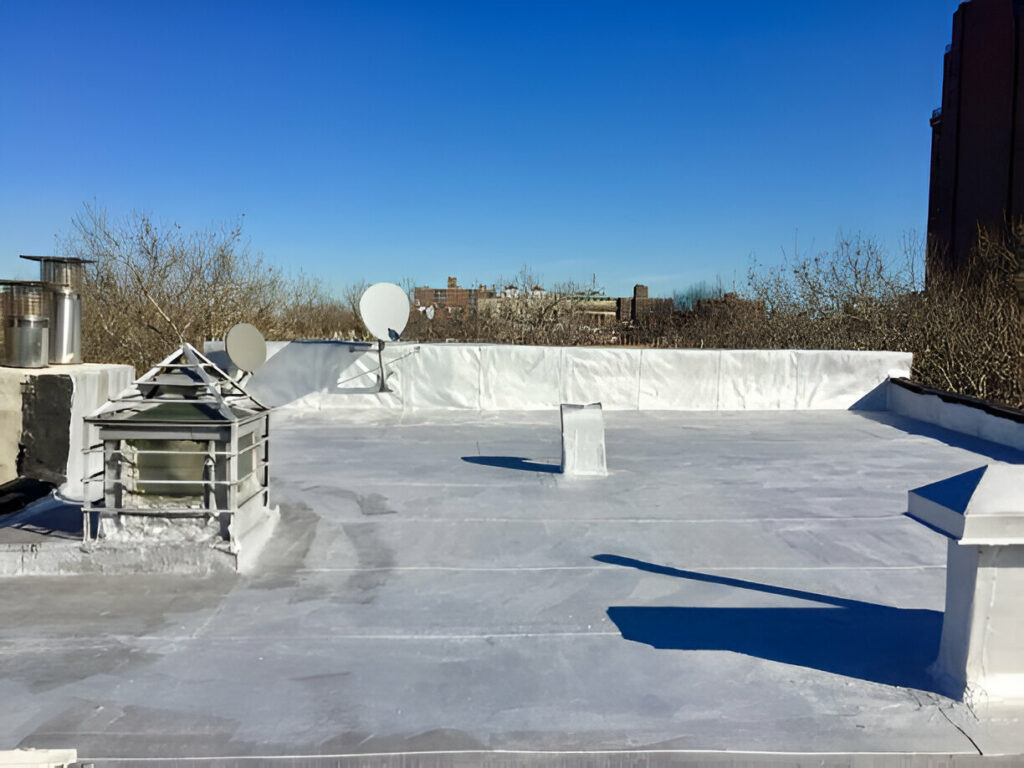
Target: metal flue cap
[[58, 259]]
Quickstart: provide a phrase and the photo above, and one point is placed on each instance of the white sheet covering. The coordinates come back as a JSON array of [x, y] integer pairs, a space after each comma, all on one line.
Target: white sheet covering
[[612, 376], [758, 380], [489, 377], [832, 379], [679, 379], [442, 376], [526, 378]]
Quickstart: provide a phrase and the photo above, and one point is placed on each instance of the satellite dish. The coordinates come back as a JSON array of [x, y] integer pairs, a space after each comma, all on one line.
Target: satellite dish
[[384, 308], [246, 347]]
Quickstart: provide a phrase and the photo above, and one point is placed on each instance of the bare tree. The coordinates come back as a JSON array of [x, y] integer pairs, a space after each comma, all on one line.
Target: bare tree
[[155, 286]]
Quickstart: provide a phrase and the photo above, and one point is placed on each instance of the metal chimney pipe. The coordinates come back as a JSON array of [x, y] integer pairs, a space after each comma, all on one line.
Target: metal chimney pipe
[[63, 279], [26, 322]]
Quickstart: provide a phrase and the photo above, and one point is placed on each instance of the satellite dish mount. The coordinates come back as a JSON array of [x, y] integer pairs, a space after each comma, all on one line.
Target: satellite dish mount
[[384, 309]]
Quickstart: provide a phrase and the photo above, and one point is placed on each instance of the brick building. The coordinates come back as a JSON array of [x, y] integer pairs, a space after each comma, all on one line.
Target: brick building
[[641, 307], [453, 296], [600, 309], [731, 307], [977, 162]]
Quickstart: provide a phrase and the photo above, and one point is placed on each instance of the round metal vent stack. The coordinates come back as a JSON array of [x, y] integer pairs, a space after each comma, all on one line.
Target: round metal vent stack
[[25, 307], [62, 277]]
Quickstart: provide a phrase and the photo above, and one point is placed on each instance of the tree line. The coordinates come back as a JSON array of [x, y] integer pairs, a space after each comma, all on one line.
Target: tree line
[[152, 286]]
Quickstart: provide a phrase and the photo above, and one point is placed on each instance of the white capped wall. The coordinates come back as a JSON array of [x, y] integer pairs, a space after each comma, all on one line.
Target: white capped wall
[[955, 416], [491, 377]]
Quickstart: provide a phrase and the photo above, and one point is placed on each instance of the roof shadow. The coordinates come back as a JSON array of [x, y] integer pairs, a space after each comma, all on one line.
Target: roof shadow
[[512, 462], [300, 368], [877, 643], [18, 493], [47, 517]]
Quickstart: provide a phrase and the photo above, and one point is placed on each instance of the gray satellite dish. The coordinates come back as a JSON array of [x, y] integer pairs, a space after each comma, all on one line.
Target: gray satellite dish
[[245, 347], [384, 309]]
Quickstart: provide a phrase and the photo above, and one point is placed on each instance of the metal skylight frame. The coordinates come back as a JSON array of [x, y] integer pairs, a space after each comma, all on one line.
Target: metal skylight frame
[[232, 414]]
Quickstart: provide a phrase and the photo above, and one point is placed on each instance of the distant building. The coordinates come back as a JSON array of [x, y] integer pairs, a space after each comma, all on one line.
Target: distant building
[[977, 163], [454, 296], [600, 309], [729, 306], [641, 307]]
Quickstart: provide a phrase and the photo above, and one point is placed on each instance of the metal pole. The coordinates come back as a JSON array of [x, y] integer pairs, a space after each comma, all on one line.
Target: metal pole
[[380, 360]]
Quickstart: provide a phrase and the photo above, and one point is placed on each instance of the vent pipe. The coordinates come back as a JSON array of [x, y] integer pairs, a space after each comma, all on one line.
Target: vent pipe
[[26, 322], [63, 280]]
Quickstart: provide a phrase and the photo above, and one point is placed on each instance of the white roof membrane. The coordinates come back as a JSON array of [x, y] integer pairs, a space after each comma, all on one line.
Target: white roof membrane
[[739, 581]]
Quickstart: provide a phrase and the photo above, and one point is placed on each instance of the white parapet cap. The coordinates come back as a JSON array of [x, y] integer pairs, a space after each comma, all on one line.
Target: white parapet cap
[[984, 506], [38, 758]]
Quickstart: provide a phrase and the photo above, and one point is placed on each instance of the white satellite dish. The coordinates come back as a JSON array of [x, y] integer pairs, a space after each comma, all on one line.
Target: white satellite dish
[[245, 347], [384, 309]]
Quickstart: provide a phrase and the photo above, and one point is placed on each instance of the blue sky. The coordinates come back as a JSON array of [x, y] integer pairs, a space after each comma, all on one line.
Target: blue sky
[[656, 142]]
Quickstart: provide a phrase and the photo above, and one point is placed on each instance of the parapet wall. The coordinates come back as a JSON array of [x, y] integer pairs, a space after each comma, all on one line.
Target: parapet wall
[[41, 412], [490, 377], [966, 415]]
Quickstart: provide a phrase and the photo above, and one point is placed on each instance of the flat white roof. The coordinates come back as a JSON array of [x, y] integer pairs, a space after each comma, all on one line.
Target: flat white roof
[[741, 581]]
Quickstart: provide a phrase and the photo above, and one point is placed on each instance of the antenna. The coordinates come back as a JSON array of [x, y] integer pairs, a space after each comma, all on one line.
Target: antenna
[[245, 347], [384, 309]]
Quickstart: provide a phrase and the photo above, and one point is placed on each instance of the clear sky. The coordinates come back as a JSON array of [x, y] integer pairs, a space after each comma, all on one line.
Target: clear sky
[[660, 142]]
